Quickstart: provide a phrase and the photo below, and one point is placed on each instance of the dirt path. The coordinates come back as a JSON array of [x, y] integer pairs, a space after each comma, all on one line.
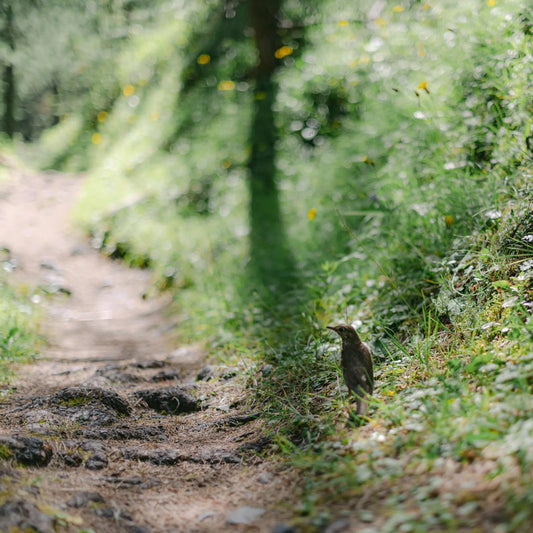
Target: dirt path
[[111, 430]]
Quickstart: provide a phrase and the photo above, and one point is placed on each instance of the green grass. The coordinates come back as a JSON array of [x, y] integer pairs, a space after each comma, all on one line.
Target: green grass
[[452, 407], [18, 332]]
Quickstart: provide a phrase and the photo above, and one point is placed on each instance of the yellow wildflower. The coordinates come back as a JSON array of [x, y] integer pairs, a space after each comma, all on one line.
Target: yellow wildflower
[[424, 86], [311, 213], [282, 52], [226, 85]]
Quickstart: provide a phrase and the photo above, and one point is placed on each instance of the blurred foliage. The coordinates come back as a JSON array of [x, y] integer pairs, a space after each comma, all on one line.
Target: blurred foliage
[[18, 338], [63, 57], [394, 135]]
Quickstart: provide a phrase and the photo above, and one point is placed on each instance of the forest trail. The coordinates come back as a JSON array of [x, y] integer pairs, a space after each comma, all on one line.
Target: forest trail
[[116, 427]]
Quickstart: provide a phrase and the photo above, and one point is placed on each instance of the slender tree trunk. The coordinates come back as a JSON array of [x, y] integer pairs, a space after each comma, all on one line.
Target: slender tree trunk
[[8, 121], [264, 19], [9, 100], [270, 257]]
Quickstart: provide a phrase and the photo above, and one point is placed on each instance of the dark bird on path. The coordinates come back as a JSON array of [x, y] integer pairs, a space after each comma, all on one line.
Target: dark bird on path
[[356, 363]]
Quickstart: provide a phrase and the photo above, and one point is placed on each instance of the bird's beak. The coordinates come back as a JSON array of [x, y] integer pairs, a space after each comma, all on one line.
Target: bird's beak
[[332, 328]]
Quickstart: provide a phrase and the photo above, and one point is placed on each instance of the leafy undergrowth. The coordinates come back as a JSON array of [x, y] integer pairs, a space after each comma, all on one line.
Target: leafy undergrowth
[[18, 332], [448, 444]]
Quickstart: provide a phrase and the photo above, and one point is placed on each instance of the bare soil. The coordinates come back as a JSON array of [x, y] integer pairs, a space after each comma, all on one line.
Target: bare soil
[[100, 457]]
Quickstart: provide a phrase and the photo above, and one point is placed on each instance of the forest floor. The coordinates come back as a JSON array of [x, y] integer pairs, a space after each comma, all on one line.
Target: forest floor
[[117, 426]]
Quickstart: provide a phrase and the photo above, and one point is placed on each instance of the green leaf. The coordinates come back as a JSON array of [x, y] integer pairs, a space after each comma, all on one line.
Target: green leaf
[[502, 284]]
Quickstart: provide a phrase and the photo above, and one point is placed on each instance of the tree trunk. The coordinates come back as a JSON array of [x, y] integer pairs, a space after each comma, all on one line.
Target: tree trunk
[[8, 120], [271, 261]]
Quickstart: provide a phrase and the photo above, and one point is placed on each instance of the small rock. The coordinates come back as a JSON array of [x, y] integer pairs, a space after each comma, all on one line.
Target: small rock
[[265, 478], [156, 457], [83, 498], [20, 515], [28, 451], [245, 515], [71, 458], [76, 396], [48, 265], [55, 287], [205, 374], [134, 528], [111, 512], [106, 512], [97, 461], [10, 265], [257, 445], [168, 374], [169, 400], [237, 420], [284, 528], [150, 363]]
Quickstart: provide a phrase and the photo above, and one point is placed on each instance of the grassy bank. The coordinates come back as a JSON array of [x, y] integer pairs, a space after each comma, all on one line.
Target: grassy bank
[[18, 337], [450, 428]]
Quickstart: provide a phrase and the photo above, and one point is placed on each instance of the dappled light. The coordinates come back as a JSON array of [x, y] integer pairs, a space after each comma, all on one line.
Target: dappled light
[[206, 188]]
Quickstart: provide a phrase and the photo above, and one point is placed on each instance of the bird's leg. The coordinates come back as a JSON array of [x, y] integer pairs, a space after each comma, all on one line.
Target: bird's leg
[[362, 406], [359, 417]]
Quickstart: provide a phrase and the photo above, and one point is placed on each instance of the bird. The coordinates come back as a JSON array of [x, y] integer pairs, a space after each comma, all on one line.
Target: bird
[[357, 367]]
